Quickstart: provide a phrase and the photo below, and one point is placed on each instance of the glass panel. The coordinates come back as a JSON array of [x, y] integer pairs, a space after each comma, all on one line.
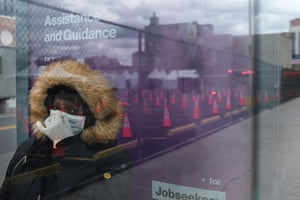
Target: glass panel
[[183, 74]]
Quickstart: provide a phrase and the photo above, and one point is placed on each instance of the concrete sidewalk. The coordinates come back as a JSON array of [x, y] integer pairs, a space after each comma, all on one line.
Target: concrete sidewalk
[[226, 156], [218, 163], [279, 148]]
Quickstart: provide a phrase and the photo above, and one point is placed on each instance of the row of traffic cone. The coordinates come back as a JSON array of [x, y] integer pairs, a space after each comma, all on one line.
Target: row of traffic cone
[[127, 133], [184, 102]]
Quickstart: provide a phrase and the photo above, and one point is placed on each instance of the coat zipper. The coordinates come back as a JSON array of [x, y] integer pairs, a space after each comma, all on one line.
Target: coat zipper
[[22, 161]]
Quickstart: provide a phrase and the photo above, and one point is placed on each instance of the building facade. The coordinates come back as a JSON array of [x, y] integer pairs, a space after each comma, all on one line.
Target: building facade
[[7, 50], [295, 37], [7, 7], [7, 31], [191, 46], [275, 49]]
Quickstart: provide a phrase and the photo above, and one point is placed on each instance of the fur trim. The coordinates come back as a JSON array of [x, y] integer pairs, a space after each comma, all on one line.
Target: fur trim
[[93, 87]]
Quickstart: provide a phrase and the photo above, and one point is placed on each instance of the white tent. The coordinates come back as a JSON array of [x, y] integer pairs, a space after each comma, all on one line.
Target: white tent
[[156, 74], [126, 74], [133, 78], [170, 81], [191, 73], [172, 75], [120, 79]]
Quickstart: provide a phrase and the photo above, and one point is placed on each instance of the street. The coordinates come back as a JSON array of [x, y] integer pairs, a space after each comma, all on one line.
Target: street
[[8, 136]]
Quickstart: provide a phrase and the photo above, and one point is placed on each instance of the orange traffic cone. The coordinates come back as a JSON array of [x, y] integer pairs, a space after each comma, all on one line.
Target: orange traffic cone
[[215, 109], [196, 109], [242, 99], [150, 97], [184, 101], [166, 120], [162, 96], [266, 97], [202, 96], [220, 99], [136, 98], [157, 100], [210, 99], [173, 99], [194, 96], [228, 102], [126, 133], [145, 107]]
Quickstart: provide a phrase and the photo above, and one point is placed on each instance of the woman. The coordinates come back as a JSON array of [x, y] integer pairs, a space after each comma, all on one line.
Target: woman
[[73, 153]]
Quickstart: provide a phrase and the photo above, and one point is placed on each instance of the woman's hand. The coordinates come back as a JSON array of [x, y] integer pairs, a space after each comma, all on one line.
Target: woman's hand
[[56, 128]]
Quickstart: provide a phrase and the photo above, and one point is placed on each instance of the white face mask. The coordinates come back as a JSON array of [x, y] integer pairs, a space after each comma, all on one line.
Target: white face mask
[[76, 122]]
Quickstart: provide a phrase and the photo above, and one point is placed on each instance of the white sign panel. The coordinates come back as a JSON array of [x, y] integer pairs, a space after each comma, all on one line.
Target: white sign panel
[[167, 191]]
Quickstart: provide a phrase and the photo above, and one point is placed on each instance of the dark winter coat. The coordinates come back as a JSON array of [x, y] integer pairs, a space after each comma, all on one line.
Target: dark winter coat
[[72, 171]]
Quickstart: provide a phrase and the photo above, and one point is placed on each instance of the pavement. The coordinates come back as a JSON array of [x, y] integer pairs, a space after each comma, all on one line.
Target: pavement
[[278, 150], [226, 156], [220, 163]]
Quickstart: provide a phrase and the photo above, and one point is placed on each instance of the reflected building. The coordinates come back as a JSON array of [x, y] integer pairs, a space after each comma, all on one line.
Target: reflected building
[[274, 49], [7, 31], [7, 50], [295, 35], [7, 8], [174, 46], [192, 46]]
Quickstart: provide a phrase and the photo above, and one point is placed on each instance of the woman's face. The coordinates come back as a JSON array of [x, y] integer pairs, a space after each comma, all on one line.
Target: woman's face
[[68, 104]]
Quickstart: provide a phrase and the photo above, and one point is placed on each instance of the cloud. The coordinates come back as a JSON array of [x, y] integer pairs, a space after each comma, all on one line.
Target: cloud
[[275, 15], [137, 13], [271, 23], [279, 6], [226, 16]]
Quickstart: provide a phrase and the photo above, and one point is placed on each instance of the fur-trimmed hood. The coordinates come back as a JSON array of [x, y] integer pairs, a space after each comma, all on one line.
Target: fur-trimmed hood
[[92, 86]]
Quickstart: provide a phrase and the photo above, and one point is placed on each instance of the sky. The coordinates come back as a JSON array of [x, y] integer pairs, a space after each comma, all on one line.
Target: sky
[[275, 15], [235, 17], [227, 16]]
